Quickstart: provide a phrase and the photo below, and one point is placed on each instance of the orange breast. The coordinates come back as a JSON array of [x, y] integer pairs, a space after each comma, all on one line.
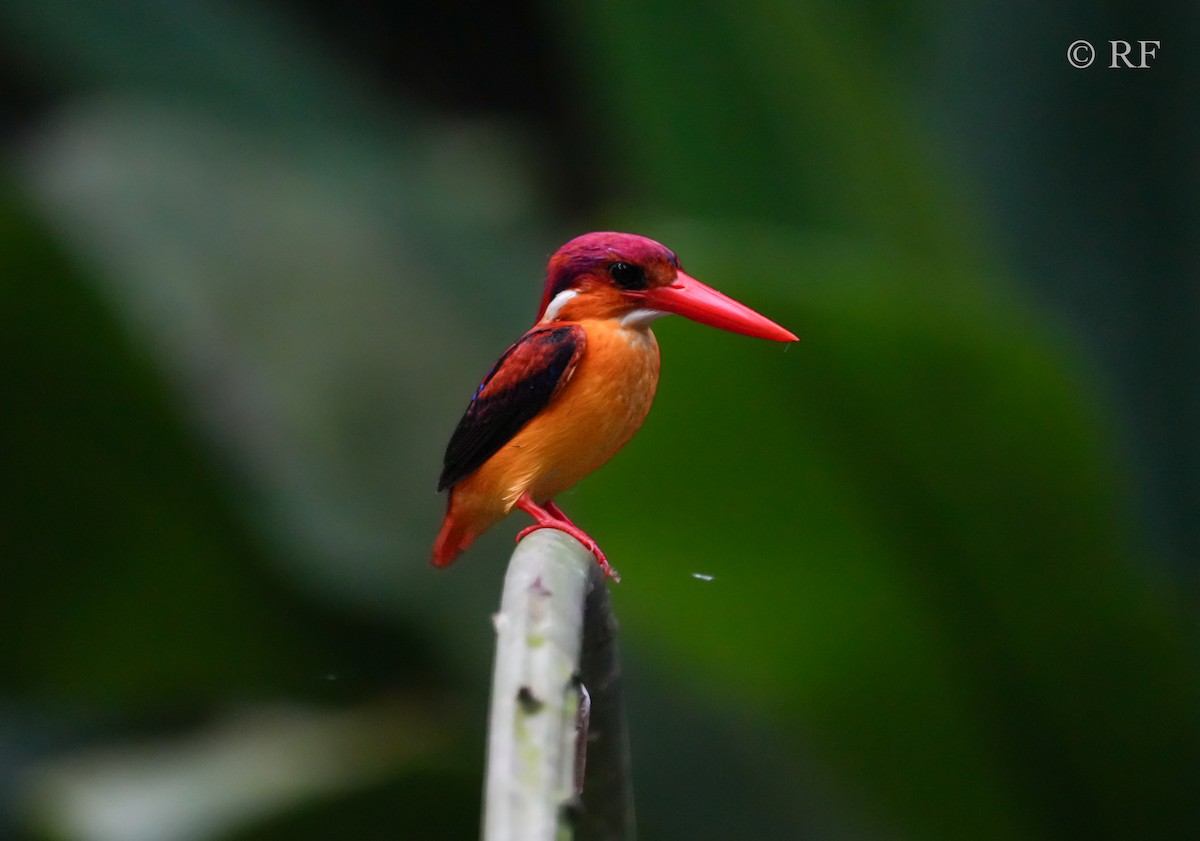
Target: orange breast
[[592, 417]]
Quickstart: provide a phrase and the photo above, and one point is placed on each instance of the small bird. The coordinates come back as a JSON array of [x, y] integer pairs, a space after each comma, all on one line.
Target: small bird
[[575, 388]]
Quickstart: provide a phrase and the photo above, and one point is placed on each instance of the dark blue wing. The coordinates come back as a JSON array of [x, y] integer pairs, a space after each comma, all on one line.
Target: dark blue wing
[[520, 385]]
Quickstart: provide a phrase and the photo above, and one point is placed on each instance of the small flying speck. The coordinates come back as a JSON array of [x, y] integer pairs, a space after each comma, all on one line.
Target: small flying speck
[[700, 576]]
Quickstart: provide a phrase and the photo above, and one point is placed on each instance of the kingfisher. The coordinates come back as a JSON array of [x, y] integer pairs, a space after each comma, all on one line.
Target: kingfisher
[[571, 392]]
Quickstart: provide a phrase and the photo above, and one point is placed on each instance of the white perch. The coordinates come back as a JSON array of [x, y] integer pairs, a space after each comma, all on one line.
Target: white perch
[[531, 791]]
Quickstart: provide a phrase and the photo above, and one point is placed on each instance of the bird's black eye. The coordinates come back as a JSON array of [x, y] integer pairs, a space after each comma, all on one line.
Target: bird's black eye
[[628, 276]]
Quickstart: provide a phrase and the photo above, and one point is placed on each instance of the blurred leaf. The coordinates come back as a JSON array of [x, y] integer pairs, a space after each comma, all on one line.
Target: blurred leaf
[[787, 114], [241, 770], [133, 581]]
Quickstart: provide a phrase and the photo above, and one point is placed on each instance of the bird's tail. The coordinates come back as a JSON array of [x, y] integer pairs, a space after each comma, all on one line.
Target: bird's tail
[[453, 539]]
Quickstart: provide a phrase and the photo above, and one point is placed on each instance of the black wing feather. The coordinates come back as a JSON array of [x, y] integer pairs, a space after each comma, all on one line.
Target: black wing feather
[[519, 386]]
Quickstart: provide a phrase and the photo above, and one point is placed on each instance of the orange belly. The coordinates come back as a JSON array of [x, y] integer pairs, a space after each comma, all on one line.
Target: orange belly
[[586, 423]]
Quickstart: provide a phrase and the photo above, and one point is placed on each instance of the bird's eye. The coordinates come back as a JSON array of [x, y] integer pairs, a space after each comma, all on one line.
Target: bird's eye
[[628, 276]]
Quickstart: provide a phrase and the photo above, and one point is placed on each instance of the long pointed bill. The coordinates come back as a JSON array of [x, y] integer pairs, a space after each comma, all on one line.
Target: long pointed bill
[[692, 299]]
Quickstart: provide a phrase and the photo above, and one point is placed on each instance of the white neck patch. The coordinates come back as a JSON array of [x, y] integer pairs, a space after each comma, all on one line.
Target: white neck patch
[[557, 304], [640, 318]]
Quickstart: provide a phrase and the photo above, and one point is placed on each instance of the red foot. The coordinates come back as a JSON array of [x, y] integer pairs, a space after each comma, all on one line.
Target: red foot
[[552, 517]]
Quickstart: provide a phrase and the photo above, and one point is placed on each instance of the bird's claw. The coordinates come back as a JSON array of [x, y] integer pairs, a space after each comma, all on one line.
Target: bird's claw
[[579, 535]]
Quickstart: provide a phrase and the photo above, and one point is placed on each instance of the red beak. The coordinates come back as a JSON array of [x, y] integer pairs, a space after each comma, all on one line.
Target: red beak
[[692, 299]]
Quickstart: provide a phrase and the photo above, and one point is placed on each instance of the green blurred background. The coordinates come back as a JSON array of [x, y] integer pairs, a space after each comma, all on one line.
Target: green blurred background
[[254, 257]]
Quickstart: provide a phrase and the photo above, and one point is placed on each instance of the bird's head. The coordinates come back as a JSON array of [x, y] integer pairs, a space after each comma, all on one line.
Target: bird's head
[[635, 279]]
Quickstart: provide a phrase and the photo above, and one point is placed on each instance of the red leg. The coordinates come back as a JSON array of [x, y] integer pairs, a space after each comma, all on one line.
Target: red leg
[[558, 512], [552, 517]]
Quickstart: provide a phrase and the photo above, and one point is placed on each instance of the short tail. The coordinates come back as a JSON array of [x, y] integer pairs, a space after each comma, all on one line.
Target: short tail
[[452, 541]]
